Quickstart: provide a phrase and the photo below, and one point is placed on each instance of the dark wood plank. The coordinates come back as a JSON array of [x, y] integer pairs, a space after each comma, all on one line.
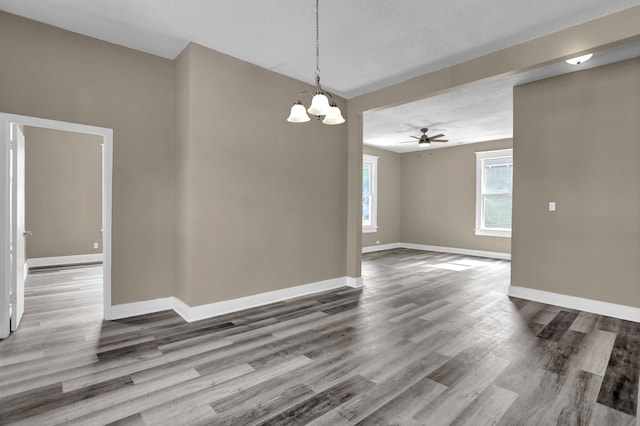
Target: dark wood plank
[[568, 346], [31, 403], [421, 344], [252, 407], [401, 409], [321, 403], [488, 408], [133, 420], [461, 365], [558, 326], [620, 386]]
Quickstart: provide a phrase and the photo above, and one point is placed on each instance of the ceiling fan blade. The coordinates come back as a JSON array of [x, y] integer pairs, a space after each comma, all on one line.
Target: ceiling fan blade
[[415, 137], [439, 140], [436, 136], [408, 142]]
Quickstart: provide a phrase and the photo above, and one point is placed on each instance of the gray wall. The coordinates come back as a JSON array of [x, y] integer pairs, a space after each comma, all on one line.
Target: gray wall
[[63, 192], [607, 31], [64, 76], [262, 201], [439, 198], [182, 206], [252, 214], [429, 198], [389, 198], [577, 142]]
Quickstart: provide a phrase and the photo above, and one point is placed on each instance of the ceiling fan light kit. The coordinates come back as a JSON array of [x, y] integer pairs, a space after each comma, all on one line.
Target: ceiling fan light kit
[[424, 140], [322, 103]]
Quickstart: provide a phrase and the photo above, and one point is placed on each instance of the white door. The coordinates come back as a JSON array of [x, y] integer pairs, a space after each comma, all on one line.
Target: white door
[[18, 233], [10, 283], [5, 227]]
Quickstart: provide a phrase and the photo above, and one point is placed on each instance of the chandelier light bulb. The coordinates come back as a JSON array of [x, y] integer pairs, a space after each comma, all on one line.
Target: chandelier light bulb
[[319, 105], [298, 114], [334, 117]]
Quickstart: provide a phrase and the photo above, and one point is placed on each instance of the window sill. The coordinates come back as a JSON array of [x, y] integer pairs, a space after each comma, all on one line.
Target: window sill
[[494, 233], [369, 229]]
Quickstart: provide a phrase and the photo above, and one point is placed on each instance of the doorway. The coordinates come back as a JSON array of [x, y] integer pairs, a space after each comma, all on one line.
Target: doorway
[[12, 232]]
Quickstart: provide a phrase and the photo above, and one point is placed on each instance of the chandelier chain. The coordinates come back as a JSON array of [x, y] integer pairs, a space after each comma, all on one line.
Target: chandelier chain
[[317, 44], [322, 104]]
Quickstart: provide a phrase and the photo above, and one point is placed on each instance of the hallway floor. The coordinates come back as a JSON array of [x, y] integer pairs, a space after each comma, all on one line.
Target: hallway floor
[[430, 340]]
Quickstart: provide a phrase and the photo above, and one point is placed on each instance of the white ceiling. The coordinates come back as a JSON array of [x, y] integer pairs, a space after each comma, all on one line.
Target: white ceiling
[[476, 113], [364, 45]]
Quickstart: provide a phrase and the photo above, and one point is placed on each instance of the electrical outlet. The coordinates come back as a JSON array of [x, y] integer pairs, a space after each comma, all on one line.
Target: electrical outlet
[[377, 242], [96, 245], [552, 206]]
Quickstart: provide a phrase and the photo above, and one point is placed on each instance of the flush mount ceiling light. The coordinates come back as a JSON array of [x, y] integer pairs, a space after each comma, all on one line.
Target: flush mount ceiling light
[[322, 103], [580, 59]]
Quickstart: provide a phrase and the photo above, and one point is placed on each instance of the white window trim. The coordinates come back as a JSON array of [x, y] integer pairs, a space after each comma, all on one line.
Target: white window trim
[[366, 158], [480, 156]]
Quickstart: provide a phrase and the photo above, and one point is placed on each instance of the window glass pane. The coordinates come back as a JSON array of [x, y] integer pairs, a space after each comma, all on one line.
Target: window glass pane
[[366, 178], [366, 210], [498, 178], [497, 211]]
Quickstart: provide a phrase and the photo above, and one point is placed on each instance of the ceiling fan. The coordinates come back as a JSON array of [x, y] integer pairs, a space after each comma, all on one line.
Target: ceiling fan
[[425, 140]]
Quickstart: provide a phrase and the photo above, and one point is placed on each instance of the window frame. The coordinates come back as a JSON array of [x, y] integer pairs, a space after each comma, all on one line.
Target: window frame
[[373, 185], [481, 157]]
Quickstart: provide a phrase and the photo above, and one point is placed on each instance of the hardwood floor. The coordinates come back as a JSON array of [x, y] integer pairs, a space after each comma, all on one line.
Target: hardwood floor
[[430, 340]]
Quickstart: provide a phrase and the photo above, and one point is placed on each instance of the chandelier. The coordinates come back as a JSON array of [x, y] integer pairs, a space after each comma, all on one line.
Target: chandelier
[[322, 103]]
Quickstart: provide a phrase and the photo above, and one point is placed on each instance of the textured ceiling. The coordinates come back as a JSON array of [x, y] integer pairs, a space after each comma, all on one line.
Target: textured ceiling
[[476, 113], [365, 44]]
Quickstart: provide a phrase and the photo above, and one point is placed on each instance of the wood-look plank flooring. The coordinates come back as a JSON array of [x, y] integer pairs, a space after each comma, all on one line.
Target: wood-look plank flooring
[[430, 340]]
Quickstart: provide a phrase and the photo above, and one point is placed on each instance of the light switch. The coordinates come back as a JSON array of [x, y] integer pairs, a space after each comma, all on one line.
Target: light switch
[[552, 206], [95, 245]]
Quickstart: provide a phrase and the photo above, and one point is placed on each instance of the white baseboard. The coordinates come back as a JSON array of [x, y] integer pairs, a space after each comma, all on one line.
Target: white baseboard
[[126, 310], [196, 313], [182, 309], [467, 252], [381, 247], [64, 260], [354, 282], [454, 250], [614, 310]]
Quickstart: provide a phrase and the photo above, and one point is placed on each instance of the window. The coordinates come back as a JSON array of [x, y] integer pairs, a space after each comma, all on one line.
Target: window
[[494, 185], [369, 193]]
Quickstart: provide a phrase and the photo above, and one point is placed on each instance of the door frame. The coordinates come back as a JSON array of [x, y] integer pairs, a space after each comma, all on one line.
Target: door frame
[[5, 214], [17, 239]]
